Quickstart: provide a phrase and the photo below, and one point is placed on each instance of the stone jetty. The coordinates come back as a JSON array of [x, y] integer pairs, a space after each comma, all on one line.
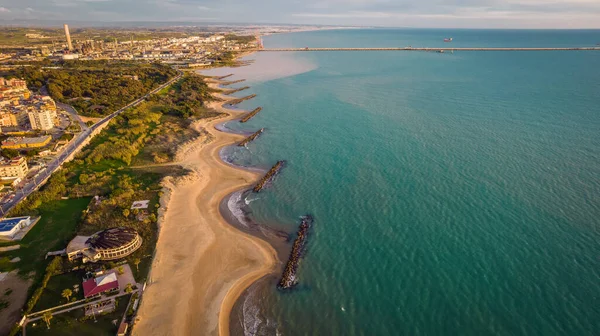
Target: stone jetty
[[236, 90], [289, 276], [250, 114], [239, 100], [223, 77], [268, 176], [232, 82], [251, 138]]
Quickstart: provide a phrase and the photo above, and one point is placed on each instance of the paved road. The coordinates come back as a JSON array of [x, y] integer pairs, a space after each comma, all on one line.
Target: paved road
[[73, 112], [70, 109], [71, 148]]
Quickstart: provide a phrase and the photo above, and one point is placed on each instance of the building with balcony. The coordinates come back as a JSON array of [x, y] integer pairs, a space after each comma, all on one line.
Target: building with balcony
[[42, 119], [13, 168]]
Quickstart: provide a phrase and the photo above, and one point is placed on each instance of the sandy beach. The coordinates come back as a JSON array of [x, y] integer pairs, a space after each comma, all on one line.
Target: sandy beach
[[202, 264]]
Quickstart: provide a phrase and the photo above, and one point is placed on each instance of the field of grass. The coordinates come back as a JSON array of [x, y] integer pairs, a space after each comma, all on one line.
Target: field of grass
[[71, 324], [55, 229], [52, 295]]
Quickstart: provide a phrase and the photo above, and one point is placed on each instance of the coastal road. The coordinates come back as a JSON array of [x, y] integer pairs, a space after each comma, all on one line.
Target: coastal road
[[72, 148]]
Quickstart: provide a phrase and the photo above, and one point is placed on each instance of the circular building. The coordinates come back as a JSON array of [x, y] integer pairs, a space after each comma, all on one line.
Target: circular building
[[109, 244], [115, 243]]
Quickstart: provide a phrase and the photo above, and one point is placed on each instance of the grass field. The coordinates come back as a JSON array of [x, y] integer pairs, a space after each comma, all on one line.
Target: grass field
[[70, 324], [52, 295], [57, 226]]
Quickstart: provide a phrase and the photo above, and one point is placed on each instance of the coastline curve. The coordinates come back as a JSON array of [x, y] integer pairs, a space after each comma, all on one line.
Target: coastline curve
[[202, 263]]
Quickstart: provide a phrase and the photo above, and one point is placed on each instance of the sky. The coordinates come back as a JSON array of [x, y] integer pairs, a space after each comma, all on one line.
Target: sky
[[390, 13]]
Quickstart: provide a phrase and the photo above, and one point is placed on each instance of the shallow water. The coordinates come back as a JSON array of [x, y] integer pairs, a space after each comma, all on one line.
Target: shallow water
[[452, 193]]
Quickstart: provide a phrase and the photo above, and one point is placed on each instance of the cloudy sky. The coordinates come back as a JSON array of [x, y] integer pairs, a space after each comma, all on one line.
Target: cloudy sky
[[395, 13]]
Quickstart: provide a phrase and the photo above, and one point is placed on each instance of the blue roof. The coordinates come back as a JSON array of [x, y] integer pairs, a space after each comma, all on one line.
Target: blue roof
[[8, 224]]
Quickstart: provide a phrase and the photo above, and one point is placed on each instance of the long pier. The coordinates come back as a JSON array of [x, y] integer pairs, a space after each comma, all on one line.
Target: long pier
[[432, 49]]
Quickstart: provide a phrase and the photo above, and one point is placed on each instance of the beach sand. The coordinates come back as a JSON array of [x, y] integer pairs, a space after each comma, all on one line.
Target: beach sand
[[202, 264]]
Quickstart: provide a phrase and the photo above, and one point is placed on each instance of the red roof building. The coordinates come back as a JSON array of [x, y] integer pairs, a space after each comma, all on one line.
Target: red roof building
[[101, 284]]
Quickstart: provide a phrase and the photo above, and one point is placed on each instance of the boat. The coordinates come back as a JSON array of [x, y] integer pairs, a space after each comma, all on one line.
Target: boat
[[448, 39]]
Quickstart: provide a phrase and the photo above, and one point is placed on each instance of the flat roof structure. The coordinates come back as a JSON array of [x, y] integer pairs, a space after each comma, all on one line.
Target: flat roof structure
[[140, 204], [9, 226], [78, 243]]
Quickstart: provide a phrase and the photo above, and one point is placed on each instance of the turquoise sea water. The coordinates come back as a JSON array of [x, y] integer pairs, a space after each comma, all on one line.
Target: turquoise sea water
[[453, 194]]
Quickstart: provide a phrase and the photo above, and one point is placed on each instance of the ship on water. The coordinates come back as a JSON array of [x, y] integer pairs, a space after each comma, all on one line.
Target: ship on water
[[448, 39]]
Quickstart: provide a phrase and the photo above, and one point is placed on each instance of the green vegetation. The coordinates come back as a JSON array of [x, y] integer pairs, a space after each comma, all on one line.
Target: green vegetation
[[56, 287], [141, 136], [58, 224], [96, 88], [226, 59], [75, 323], [47, 317], [240, 38]]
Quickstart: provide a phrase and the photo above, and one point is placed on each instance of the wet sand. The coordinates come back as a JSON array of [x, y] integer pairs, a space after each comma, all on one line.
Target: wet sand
[[202, 263]]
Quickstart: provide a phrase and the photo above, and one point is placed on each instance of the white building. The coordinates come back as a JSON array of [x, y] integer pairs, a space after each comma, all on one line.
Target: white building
[[41, 119], [10, 226]]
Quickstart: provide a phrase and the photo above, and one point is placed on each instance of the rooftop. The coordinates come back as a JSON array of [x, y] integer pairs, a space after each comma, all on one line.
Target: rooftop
[[140, 204], [77, 244], [112, 238], [22, 140], [100, 284]]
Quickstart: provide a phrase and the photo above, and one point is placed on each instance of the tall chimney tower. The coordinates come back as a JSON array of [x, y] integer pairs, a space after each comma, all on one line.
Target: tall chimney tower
[[68, 37]]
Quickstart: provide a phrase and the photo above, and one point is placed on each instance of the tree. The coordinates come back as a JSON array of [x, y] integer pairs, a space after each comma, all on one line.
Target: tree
[[47, 317], [84, 178], [121, 270], [9, 153], [125, 212], [137, 262], [128, 288], [66, 293]]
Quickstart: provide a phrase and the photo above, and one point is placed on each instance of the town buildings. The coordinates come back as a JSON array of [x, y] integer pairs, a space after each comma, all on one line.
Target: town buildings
[[41, 119], [8, 119], [104, 283], [13, 168], [22, 142], [19, 107]]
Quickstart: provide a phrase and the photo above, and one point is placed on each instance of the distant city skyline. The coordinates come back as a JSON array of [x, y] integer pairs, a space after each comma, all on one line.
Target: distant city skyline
[[387, 13]]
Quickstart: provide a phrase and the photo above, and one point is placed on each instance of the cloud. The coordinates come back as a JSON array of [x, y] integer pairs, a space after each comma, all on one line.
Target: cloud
[[4, 10], [405, 13]]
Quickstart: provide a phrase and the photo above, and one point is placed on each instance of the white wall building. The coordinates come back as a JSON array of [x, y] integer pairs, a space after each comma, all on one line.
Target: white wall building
[[41, 119], [10, 226]]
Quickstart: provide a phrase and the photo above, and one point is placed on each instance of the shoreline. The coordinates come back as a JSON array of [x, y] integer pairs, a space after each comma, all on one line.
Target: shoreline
[[203, 263]]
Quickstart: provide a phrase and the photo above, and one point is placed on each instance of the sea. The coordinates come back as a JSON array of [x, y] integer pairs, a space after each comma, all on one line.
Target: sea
[[452, 193]]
